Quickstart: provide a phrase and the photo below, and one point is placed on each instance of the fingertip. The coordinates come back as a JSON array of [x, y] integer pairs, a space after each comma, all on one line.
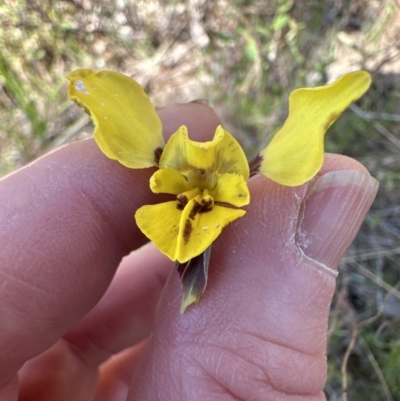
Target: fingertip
[[200, 119], [116, 373], [334, 162]]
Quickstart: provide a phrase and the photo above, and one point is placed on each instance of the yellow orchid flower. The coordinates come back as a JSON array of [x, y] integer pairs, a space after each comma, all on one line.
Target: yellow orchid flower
[[208, 179]]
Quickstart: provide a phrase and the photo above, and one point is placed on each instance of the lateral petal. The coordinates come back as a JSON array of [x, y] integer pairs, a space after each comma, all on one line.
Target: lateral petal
[[127, 127], [296, 152]]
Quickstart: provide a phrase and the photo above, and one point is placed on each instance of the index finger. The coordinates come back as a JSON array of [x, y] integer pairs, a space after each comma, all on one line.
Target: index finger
[[66, 221]]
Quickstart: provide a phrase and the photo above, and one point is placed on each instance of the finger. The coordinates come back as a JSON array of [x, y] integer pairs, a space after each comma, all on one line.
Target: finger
[[42, 378], [320, 235], [261, 326], [115, 375], [125, 314], [67, 220], [123, 317]]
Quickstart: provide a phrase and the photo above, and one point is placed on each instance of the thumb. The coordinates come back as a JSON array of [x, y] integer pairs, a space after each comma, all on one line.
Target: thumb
[[261, 326]]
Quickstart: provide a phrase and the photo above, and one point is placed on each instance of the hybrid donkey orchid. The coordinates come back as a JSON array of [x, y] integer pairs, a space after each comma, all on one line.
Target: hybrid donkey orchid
[[208, 179]]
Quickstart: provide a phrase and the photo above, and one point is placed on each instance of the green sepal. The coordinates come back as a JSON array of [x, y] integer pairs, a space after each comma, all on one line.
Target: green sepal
[[194, 276]]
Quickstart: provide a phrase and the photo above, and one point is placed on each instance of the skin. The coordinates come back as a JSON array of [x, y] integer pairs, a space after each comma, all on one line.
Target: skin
[[79, 324]]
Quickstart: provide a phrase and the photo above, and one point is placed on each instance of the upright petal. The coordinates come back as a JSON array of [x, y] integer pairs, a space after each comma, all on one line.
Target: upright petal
[[221, 155], [296, 152], [127, 127]]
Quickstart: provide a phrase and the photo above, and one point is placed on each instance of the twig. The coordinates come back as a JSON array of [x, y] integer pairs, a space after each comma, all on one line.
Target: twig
[[68, 133], [372, 115], [376, 367], [387, 134], [378, 314], [343, 368], [372, 255], [374, 278]]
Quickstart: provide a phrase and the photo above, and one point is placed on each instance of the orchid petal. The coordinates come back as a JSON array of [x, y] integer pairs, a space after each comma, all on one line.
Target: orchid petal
[[127, 127], [198, 230], [221, 155], [169, 181], [296, 152], [184, 234], [231, 189]]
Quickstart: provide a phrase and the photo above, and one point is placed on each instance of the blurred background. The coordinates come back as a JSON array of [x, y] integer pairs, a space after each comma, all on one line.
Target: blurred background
[[244, 57]]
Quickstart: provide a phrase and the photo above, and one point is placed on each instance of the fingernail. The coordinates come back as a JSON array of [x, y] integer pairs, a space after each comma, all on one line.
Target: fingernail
[[201, 101], [333, 212], [200, 120]]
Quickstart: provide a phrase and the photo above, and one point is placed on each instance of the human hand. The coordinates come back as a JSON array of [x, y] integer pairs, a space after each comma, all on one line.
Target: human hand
[[259, 331]]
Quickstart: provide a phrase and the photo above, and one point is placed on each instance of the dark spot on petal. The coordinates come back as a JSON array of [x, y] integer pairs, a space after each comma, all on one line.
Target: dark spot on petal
[[206, 206], [157, 154], [187, 231], [255, 164], [196, 209], [203, 207], [180, 206]]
